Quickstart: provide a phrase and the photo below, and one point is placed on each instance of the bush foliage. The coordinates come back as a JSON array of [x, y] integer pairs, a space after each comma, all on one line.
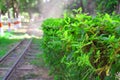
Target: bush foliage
[[82, 47]]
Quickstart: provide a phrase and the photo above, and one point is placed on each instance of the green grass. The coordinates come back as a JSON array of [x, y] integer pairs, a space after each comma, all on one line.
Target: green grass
[[28, 76], [39, 61], [38, 43], [6, 43]]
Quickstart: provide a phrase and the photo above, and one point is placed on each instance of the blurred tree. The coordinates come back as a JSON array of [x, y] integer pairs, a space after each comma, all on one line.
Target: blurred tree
[[29, 6], [75, 4], [118, 7], [87, 6], [8, 6], [107, 5], [3, 8], [18, 6], [90, 6]]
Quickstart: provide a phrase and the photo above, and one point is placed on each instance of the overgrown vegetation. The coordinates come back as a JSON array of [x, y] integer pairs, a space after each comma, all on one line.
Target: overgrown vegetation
[[82, 47], [38, 61]]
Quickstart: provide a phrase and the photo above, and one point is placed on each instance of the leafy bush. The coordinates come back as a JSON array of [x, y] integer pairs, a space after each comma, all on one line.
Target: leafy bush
[[82, 47]]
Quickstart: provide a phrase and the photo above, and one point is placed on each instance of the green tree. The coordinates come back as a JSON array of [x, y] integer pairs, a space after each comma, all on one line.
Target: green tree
[[3, 8], [107, 5], [29, 6]]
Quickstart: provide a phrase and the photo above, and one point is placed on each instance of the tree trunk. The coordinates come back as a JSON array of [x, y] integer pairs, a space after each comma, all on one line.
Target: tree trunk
[[81, 4], [1, 29], [118, 7], [13, 8], [7, 4], [9, 14], [0, 18], [90, 6], [17, 9]]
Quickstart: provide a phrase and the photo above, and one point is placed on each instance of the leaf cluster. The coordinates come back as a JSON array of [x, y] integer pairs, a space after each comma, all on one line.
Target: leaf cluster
[[82, 47]]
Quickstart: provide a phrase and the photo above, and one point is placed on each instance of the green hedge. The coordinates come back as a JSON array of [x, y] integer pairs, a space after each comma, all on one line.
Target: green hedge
[[82, 47]]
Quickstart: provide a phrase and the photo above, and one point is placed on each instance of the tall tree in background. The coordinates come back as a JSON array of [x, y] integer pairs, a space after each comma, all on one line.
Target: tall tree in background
[[118, 7], [75, 4], [8, 5], [3, 6], [2, 11], [90, 6], [15, 7], [29, 6]]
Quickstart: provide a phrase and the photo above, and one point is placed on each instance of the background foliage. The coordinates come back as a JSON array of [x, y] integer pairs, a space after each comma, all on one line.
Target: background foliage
[[107, 5]]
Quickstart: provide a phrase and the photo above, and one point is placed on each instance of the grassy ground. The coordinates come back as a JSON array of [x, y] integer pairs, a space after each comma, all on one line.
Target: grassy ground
[[6, 43], [39, 61], [9, 39], [42, 68]]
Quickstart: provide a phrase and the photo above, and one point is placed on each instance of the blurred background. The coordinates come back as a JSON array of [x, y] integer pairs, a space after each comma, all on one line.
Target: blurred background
[[34, 10]]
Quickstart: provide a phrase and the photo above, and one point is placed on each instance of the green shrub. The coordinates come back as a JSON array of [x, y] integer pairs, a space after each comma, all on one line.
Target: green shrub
[[52, 44], [82, 47]]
